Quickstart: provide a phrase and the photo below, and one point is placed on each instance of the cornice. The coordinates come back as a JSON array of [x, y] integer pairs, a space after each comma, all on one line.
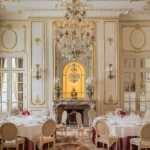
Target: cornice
[[31, 0], [113, 0], [139, 12]]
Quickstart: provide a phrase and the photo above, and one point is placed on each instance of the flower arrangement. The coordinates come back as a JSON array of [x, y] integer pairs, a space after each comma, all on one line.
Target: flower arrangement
[[121, 113], [25, 113]]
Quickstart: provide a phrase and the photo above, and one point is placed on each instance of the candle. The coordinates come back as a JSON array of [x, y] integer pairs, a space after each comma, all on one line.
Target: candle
[[83, 8], [74, 21], [77, 2], [66, 5]]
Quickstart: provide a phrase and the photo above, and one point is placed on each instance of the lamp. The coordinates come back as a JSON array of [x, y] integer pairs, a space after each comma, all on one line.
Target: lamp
[[37, 72], [110, 70], [75, 36]]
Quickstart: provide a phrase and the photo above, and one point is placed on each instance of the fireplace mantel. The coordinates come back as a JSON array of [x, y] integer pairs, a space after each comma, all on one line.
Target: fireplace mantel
[[71, 104]]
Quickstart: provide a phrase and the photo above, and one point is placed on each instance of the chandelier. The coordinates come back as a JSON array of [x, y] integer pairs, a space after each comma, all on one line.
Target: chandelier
[[74, 76], [2, 8], [75, 36]]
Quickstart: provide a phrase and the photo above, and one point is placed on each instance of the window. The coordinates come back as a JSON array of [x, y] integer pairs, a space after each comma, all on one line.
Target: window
[[136, 84], [12, 83]]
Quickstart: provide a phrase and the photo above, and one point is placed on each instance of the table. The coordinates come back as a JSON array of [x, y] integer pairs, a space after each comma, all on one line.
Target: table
[[124, 132], [28, 128]]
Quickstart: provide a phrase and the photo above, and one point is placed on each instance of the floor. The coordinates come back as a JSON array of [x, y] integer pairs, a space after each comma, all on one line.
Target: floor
[[71, 141]]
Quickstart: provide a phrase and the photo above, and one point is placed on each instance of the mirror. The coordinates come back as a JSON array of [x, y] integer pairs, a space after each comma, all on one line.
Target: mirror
[[71, 77]]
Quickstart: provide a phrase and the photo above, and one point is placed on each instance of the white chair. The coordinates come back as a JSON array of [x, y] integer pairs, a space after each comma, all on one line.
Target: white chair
[[9, 137], [80, 125], [48, 135], [144, 140], [62, 127], [92, 116], [102, 135], [147, 115], [14, 112], [4, 115], [45, 112], [117, 110]]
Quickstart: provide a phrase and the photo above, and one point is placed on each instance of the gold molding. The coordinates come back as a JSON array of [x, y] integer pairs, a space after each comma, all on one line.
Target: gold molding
[[112, 102], [31, 0], [11, 12], [137, 27], [112, 0], [11, 27], [38, 101], [139, 12], [89, 9], [110, 40], [37, 40]]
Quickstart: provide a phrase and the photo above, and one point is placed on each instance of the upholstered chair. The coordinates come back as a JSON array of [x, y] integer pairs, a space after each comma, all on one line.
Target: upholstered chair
[[91, 115], [15, 112], [117, 110], [102, 135], [144, 140], [45, 112], [48, 135], [62, 127], [147, 115], [4, 115], [80, 125], [9, 137]]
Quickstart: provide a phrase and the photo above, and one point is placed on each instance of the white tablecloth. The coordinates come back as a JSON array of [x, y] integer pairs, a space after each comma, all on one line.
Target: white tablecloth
[[121, 128]]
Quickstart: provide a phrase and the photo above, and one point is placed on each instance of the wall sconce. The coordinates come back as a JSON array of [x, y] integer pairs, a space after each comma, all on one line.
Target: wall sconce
[[37, 72], [110, 70]]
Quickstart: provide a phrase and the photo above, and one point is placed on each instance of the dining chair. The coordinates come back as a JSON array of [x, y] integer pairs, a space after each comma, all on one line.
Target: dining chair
[[14, 112], [144, 140], [147, 115], [9, 137], [102, 135], [117, 110], [91, 115], [62, 127], [79, 124], [48, 135]]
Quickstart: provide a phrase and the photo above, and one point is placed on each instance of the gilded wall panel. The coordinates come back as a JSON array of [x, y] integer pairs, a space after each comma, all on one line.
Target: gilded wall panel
[[38, 58], [12, 38], [110, 56], [135, 37]]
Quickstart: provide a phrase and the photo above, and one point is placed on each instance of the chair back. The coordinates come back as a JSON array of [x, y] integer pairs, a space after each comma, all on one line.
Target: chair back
[[79, 119], [4, 115], [147, 115], [49, 128], [117, 110], [45, 112], [102, 129], [15, 112], [64, 117], [9, 131], [91, 115], [144, 133]]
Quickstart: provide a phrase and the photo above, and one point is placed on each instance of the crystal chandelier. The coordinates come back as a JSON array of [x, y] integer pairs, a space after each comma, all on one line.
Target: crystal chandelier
[[2, 8], [75, 36], [74, 76]]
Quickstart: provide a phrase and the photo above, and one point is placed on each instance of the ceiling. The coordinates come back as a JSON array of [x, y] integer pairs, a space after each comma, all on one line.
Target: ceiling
[[100, 8]]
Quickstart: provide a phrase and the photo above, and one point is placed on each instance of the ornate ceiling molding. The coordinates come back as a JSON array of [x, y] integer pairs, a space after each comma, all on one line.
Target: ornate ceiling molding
[[90, 9], [139, 12], [31, 0], [113, 0], [11, 13]]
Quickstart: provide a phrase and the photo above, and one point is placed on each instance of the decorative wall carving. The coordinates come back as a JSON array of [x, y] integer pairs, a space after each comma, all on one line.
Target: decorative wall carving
[[134, 38], [13, 38]]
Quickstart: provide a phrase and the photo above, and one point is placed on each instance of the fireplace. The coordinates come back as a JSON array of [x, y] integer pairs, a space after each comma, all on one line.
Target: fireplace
[[81, 106], [71, 120], [83, 109]]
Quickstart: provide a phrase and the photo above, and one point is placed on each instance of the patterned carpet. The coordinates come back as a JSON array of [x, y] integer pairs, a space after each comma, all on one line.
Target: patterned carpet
[[71, 141]]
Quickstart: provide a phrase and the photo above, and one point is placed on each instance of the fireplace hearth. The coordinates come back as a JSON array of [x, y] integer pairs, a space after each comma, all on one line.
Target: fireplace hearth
[[81, 106]]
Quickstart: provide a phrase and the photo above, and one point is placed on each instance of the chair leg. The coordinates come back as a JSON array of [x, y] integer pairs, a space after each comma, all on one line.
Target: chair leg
[[48, 145], [54, 145], [34, 146], [130, 146], [103, 145], [95, 145], [23, 146], [139, 148], [116, 145]]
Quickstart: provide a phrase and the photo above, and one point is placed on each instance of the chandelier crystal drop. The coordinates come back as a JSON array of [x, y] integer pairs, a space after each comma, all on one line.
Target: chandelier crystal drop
[[75, 36]]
